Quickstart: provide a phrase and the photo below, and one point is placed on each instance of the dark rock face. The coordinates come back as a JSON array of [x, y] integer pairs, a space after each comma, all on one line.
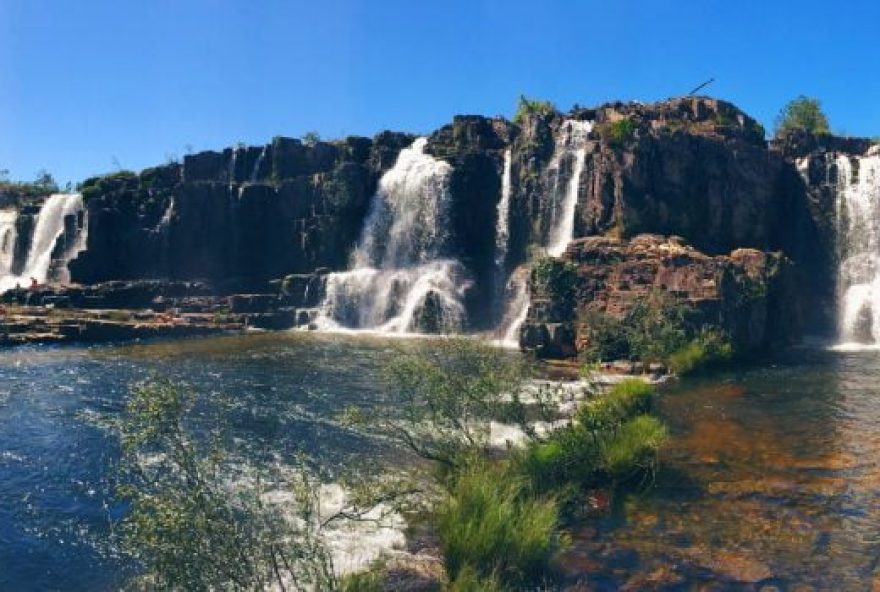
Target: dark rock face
[[694, 167], [247, 214], [749, 294], [474, 146]]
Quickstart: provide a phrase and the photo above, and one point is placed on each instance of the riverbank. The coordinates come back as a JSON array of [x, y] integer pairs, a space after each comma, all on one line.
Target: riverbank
[[30, 325]]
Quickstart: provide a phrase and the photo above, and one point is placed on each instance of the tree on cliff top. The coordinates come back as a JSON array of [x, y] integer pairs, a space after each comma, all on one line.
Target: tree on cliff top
[[528, 107], [802, 113]]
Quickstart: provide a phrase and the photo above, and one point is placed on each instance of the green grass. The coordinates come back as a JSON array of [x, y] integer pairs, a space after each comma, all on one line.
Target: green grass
[[468, 580], [490, 527], [634, 447], [365, 581], [707, 349], [625, 399]]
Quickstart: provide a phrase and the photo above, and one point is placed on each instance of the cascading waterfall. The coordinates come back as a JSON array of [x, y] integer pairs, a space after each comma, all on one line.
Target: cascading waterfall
[[258, 164], [502, 230], [401, 280], [572, 148], [49, 228], [858, 230], [7, 240], [570, 154]]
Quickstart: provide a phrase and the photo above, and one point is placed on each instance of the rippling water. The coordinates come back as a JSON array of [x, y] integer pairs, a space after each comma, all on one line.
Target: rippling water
[[56, 462], [771, 477]]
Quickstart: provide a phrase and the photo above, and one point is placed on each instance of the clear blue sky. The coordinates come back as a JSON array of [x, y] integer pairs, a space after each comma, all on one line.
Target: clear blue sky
[[88, 83]]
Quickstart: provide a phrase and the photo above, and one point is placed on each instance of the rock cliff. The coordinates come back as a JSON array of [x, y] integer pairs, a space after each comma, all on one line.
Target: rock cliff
[[756, 254]]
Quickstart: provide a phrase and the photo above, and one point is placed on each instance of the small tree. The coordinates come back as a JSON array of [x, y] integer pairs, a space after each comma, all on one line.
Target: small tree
[[45, 182], [528, 107], [185, 525], [802, 113]]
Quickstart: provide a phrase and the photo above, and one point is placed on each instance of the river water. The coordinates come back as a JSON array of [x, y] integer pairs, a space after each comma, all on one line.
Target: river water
[[771, 477]]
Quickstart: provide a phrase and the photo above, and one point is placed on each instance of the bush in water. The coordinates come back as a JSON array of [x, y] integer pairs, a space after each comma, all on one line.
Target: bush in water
[[188, 529]]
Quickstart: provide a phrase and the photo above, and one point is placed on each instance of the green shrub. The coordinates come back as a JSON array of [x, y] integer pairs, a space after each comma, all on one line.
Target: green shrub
[[529, 107], [599, 444], [621, 131], [489, 525], [365, 581], [802, 113], [655, 329], [184, 526], [634, 447], [468, 580], [709, 348], [557, 279], [568, 456], [448, 392], [625, 399]]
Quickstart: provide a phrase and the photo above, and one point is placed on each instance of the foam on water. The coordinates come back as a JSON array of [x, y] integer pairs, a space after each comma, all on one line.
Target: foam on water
[[402, 279], [47, 232]]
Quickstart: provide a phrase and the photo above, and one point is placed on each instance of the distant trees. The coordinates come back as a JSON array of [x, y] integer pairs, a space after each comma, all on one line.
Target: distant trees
[[43, 184], [527, 107], [802, 113]]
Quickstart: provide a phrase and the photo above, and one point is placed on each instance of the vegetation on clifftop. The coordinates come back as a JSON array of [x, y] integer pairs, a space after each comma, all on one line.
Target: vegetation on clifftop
[[531, 107], [803, 113]]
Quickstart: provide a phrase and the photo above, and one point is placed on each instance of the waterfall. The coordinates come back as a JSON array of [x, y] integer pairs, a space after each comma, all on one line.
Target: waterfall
[[7, 240], [255, 173], [516, 308], [50, 227], [402, 279], [858, 231], [572, 148], [570, 154], [502, 231]]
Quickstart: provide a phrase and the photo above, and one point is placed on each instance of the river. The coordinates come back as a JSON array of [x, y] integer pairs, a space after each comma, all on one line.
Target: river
[[770, 478]]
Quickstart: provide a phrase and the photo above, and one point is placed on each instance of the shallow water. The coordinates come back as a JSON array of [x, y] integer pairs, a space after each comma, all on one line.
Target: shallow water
[[771, 476], [771, 479]]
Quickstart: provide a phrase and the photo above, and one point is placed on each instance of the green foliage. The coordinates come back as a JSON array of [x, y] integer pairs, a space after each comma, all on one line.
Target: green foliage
[[633, 448], [468, 580], [311, 138], [656, 329], [625, 399], [370, 580], [43, 184], [708, 348], [531, 107], [612, 437], [187, 528], [621, 131], [802, 113], [653, 328], [489, 525], [449, 391], [557, 279]]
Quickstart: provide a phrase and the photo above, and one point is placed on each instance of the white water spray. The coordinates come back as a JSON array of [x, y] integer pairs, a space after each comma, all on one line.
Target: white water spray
[[402, 280], [7, 240], [571, 151], [858, 230], [571, 147], [502, 228], [49, 228], [258, 164]]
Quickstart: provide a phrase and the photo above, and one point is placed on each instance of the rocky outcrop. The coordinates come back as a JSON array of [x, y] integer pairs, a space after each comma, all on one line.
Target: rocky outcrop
[[241, 215], [265, 223], [474, 146], [749, 294]]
